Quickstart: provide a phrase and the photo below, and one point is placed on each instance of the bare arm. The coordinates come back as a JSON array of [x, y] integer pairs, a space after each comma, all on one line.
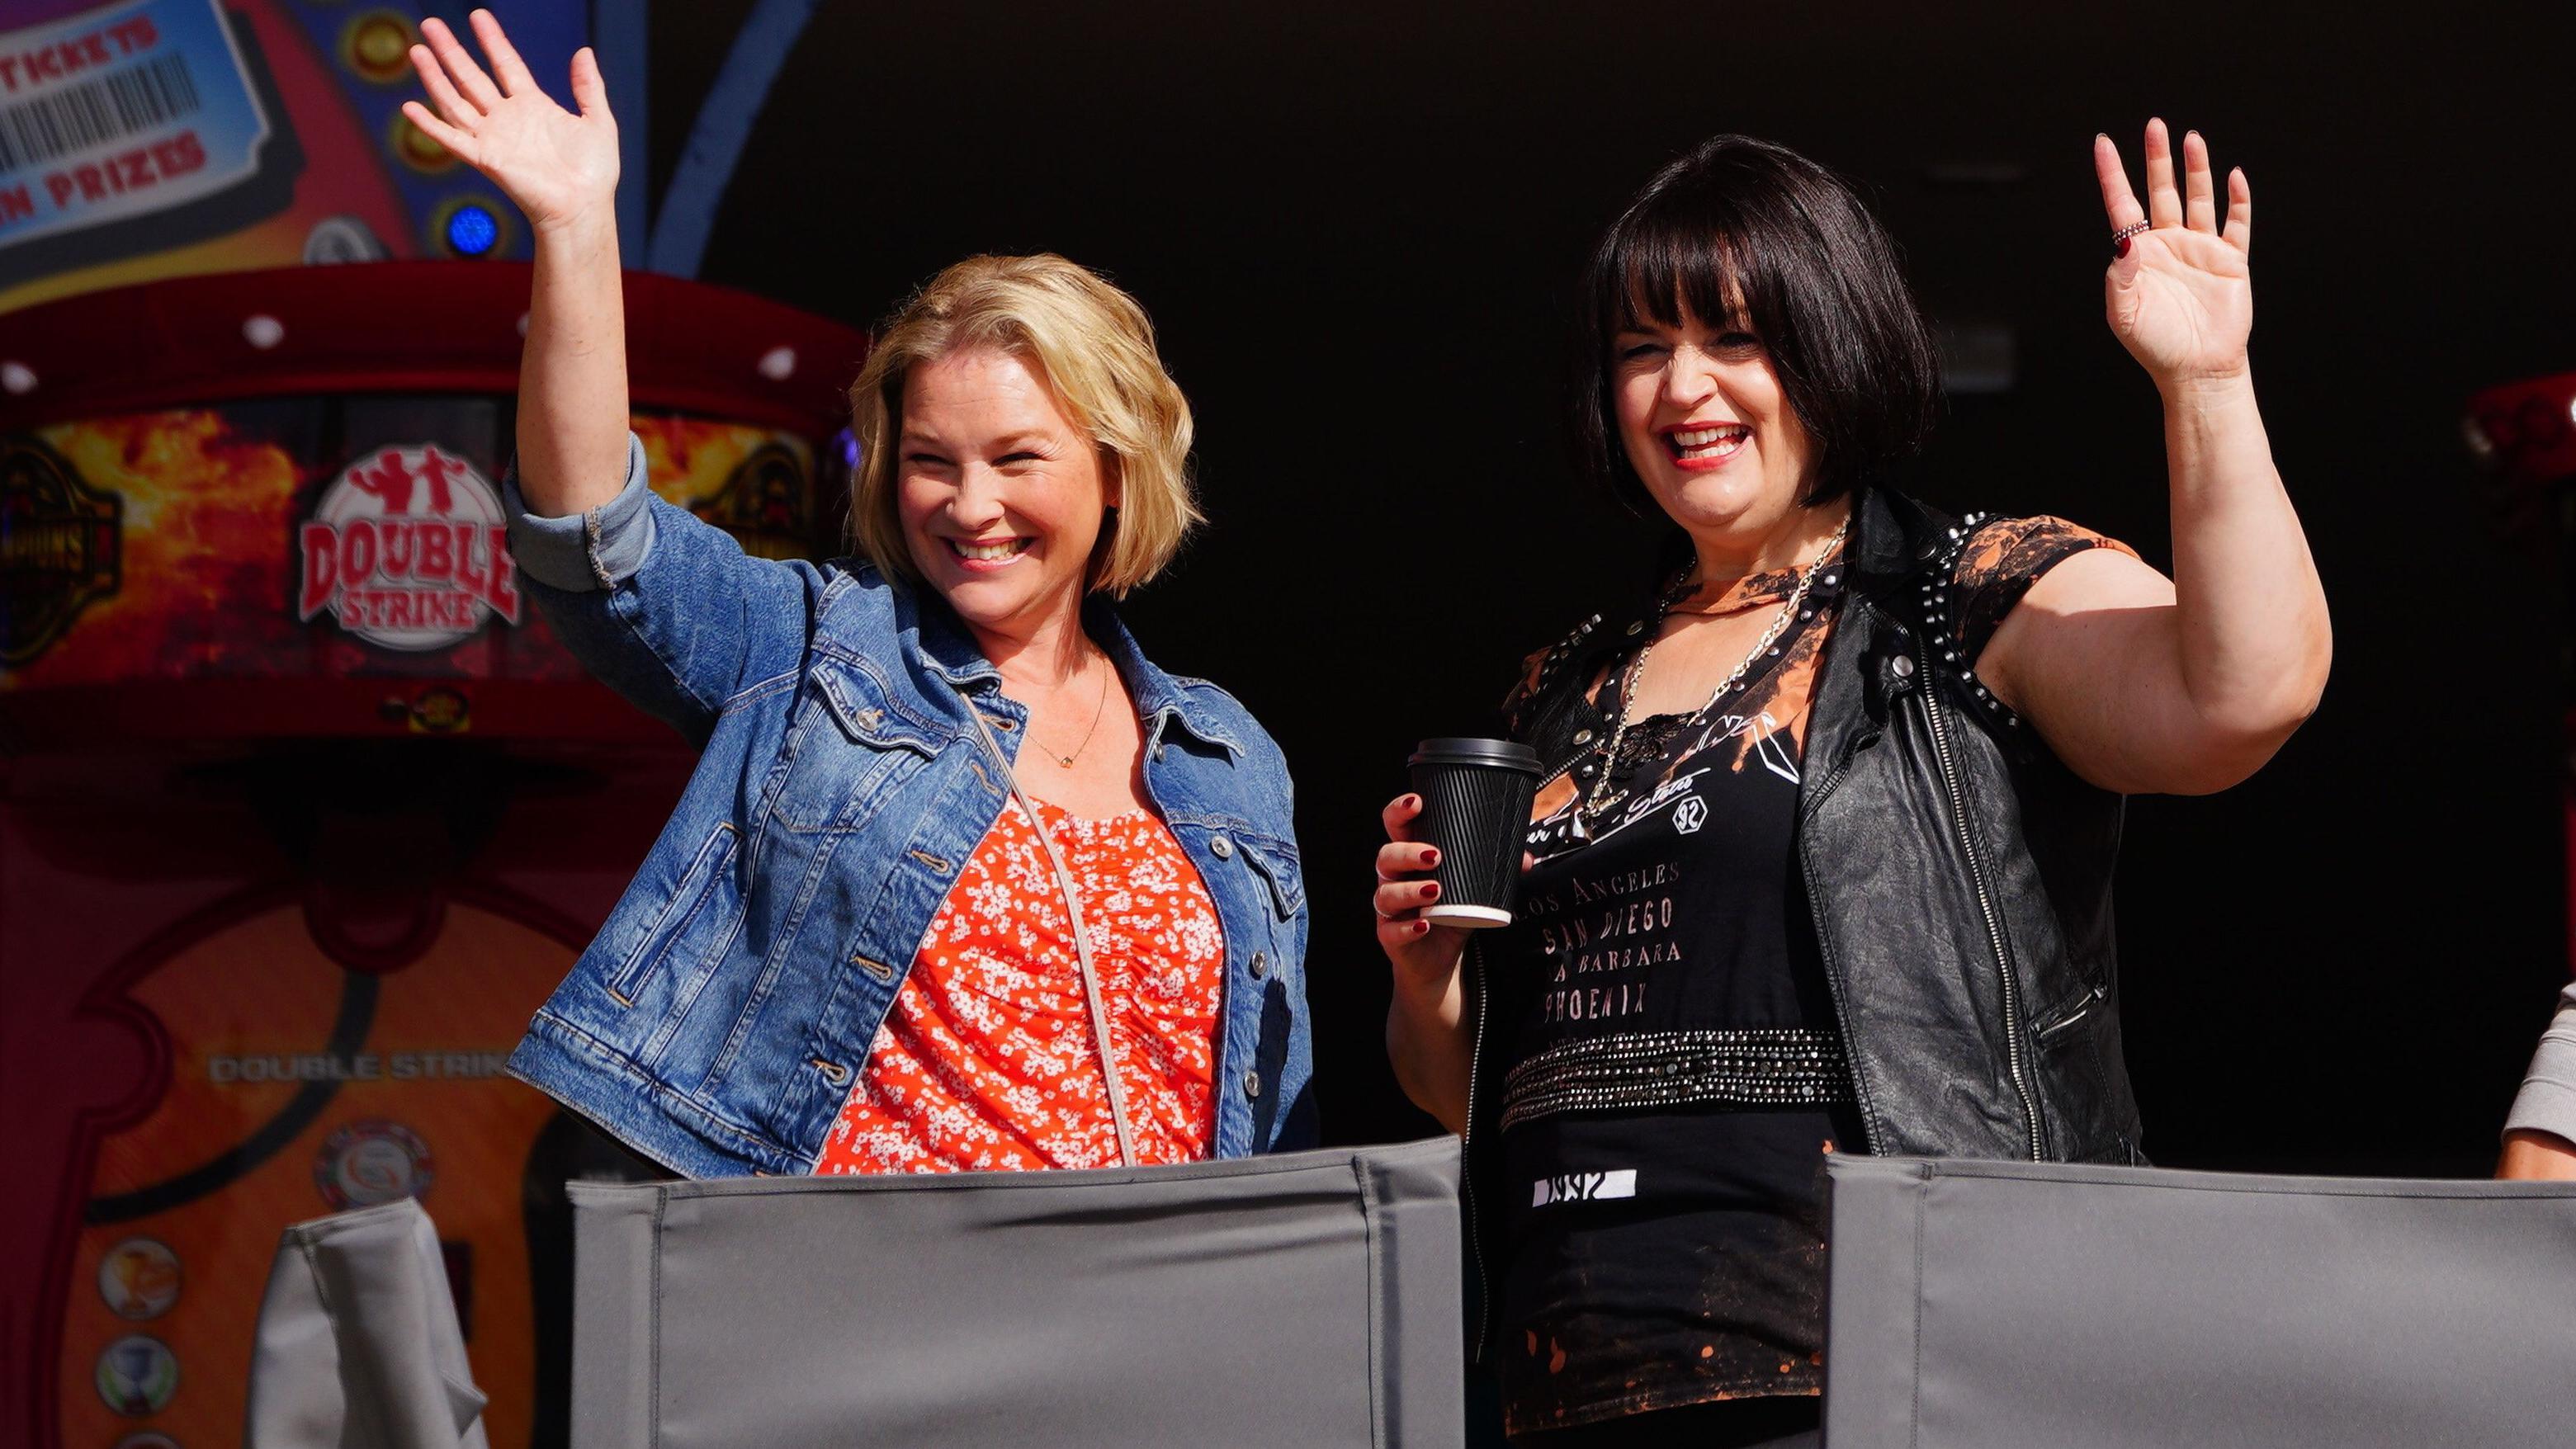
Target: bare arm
[[2187, 686], [2531, 1155], [561, 170], [572, 377]]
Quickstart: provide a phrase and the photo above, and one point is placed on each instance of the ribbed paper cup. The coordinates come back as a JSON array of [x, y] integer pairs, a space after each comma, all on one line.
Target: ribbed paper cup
[[1475, 810]]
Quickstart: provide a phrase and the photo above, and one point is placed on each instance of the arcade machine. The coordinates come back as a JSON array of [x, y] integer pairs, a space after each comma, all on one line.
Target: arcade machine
[[303, 810]]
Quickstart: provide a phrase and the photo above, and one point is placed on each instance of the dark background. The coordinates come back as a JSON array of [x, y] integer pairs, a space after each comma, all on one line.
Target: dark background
[[1357, 229]]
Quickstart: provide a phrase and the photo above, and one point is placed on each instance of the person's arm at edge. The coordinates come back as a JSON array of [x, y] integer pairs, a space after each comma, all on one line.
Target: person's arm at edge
[[2540, 1132]]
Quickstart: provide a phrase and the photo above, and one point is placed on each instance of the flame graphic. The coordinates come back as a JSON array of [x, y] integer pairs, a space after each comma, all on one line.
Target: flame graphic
[[204, 546], [689, 459], [209, 557]]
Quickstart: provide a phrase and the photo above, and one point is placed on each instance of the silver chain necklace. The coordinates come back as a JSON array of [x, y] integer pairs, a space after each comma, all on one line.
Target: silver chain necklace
[[1593, 804]]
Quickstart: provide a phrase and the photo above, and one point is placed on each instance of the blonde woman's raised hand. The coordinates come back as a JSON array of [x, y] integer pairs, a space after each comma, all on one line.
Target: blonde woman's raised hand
[[558, 167], [2179, 294]]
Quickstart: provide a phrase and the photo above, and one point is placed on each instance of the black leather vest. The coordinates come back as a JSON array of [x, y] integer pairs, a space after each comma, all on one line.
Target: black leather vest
[[1959, 874]]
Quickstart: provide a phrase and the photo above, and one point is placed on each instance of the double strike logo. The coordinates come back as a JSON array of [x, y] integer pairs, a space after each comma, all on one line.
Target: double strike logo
[[408, 550]]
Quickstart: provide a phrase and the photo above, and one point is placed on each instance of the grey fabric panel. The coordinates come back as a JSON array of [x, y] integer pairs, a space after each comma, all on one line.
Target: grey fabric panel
[[2005, 1305], [1870, 1299], [295, 1394], [1265, 1301], [613, 1295], [358, 1345], [1422, 1369]]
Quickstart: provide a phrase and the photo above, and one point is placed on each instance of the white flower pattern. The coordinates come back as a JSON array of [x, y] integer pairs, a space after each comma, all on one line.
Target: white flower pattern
[[987, 1059]]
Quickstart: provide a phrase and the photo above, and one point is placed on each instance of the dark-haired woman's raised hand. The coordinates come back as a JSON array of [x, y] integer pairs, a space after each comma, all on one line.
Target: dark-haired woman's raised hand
[[558, 167], [2179, 294], [2140, 683]]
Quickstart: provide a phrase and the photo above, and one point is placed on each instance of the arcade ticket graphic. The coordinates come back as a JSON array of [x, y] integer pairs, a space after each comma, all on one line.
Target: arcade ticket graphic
[[121, 112]]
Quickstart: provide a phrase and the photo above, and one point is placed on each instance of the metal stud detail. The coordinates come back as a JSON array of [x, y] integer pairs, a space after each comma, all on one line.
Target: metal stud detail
[[1767, 1066]]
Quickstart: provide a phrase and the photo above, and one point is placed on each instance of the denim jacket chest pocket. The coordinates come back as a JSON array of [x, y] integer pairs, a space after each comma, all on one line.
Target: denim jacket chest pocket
[[850, 744], [1275, 862]]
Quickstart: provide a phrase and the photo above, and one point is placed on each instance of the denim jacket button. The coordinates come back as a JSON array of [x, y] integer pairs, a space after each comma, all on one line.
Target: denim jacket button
[[1252, 1084], [1260, 965], [1223, 847]]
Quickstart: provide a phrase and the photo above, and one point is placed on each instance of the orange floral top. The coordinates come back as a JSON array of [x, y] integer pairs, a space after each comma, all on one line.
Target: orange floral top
[[987, 1058]]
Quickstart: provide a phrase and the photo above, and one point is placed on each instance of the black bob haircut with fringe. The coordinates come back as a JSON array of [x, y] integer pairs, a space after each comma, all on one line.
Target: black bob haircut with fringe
[[1751, 234]]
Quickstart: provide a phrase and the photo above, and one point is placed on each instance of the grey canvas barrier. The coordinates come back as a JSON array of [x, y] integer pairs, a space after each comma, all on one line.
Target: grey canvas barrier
[[358, 1345], [2017, 1306], [1306, 1299]]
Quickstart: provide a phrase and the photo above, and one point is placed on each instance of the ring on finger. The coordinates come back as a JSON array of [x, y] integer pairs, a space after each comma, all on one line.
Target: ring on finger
[[2120, 238]]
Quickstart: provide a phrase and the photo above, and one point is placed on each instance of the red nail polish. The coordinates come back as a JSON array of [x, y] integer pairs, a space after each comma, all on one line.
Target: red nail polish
[[2124, 247], [1430, 888], [1421, 928], [1431, 856]]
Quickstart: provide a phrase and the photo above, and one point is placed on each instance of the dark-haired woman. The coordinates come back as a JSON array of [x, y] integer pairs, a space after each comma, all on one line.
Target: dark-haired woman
[[1823, 855]]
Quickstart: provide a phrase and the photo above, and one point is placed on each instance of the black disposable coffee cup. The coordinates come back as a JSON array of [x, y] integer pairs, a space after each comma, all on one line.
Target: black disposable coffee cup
[[1475, 811]]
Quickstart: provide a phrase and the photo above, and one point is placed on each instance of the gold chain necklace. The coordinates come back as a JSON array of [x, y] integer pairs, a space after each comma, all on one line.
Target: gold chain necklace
[[1096, 706], [1590, 811]]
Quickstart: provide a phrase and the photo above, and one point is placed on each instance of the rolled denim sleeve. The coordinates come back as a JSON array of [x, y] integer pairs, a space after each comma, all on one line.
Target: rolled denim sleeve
[[660, 605], [2547, 1102], [578, 552]]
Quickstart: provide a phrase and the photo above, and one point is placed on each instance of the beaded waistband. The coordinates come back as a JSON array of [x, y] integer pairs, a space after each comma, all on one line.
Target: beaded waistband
[[1747, 1067]]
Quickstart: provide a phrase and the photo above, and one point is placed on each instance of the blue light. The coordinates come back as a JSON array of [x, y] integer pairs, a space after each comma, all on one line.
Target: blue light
[[472, 231]]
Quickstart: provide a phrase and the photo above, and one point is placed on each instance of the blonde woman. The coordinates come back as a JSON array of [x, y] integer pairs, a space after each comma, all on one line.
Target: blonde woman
[[962, 880]]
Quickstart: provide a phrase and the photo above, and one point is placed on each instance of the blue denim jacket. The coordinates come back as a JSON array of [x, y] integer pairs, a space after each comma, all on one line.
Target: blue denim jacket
[[719, 1018]]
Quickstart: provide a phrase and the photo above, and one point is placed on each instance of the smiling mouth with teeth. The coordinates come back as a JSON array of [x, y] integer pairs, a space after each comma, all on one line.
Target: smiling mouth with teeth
[[1008, 548], [1706, 445]]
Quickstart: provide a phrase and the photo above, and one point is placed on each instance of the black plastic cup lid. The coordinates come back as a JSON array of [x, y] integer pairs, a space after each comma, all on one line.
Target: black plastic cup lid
[[1493, 754]]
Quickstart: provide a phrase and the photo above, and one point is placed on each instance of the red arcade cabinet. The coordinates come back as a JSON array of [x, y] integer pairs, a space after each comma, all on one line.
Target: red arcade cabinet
[[303, 810]]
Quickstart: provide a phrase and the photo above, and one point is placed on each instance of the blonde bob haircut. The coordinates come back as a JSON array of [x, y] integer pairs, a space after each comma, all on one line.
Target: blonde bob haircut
[[1094, 346]]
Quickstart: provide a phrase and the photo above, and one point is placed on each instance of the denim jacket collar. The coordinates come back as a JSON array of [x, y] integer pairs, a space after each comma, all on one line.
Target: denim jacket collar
[[940, 640], [1160, 700]]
